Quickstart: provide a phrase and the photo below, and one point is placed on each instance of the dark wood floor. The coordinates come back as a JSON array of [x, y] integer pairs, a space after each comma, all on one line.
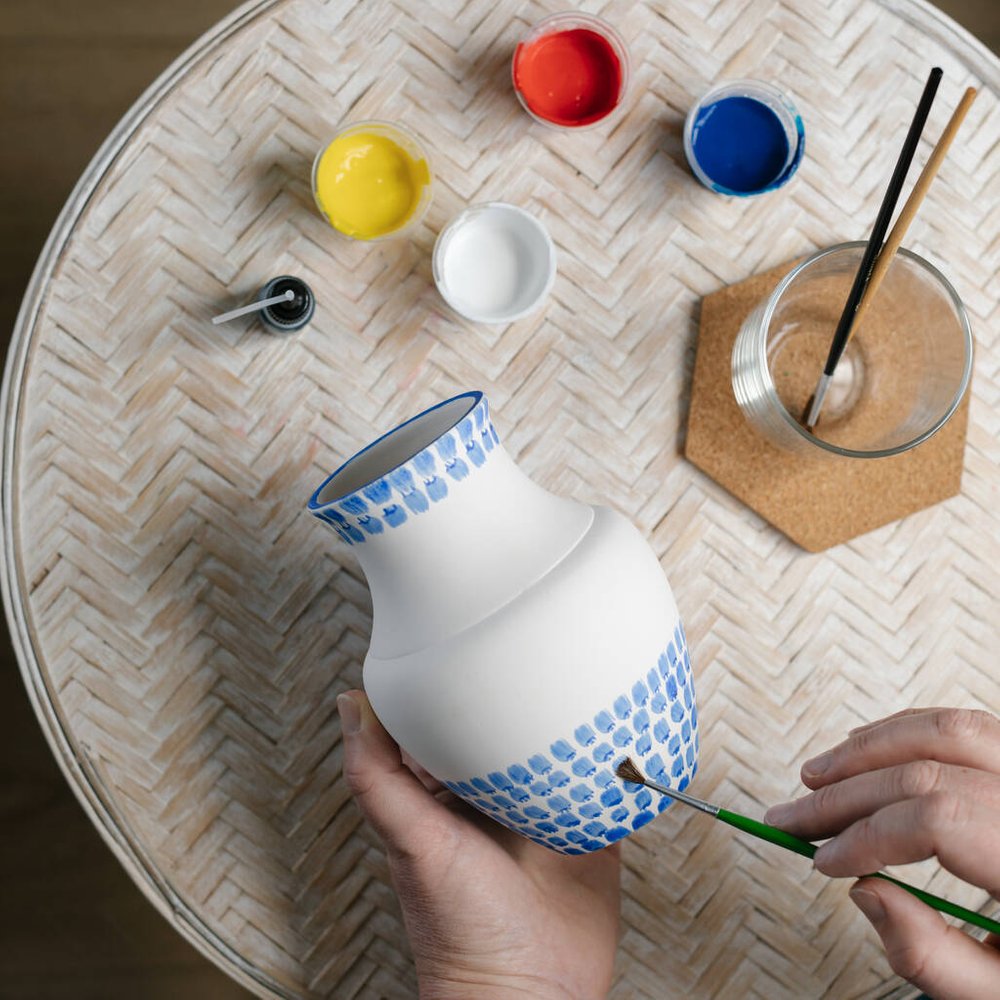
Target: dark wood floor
[[72, 924]]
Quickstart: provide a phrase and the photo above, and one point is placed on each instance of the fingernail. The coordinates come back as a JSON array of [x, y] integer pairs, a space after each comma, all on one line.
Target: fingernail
[[350, 714], [828, 855], [869, 904], [818, 765], [778, 814]]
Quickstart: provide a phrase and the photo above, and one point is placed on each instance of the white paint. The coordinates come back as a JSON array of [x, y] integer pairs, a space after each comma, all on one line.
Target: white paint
[[494, 263]]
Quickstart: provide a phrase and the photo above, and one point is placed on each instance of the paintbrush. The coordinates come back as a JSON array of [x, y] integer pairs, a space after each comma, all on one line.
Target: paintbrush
[[875, 240], [909, 210], [629, 773]]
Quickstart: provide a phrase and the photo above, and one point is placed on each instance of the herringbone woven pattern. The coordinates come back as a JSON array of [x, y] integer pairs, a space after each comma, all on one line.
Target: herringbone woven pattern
[[184, 626]]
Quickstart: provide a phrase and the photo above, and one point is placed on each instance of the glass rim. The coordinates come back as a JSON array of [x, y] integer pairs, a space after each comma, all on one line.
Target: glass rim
[[602, 27], [771, 392], [425, 198]]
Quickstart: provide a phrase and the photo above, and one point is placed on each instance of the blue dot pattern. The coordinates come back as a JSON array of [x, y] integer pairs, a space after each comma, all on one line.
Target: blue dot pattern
[[567, 796], [413, 488]]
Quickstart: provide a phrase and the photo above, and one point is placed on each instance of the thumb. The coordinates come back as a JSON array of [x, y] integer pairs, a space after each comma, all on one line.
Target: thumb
[[409, 820], [921, 947]]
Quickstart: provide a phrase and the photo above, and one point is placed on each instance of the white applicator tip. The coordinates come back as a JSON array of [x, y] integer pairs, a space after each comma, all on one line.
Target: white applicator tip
[[253, 307]]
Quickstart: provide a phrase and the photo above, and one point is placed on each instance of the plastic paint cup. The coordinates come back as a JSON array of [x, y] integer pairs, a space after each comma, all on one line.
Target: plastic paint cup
[[571, 71], [744, 138], [494, 263], [372, 181]]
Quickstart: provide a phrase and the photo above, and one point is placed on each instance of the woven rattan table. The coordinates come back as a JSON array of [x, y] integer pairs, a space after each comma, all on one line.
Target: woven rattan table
[[183, 627]]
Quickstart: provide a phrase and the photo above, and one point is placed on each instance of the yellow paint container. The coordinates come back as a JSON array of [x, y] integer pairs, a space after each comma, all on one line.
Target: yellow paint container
[[372, 181]]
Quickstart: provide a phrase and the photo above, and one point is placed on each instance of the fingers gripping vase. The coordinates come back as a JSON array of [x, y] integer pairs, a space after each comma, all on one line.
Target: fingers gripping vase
[[522, 644]]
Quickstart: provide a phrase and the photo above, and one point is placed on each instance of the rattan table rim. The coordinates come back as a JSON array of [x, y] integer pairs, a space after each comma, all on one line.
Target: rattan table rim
[[84, 781]]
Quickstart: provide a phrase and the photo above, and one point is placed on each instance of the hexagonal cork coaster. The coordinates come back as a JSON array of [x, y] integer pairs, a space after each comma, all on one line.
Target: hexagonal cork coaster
[[819, 502]]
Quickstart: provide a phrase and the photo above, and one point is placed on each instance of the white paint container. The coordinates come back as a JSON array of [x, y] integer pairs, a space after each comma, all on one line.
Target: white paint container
[[494, 263]]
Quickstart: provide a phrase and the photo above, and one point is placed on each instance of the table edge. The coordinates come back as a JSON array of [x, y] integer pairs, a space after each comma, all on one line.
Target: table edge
[[112, 827], [84, 783]]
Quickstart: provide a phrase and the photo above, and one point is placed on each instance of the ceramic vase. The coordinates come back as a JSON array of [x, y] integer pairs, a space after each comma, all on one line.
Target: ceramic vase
[[522, 643]]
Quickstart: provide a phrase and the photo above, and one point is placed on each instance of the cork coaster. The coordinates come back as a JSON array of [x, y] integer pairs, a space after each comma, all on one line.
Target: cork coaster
[[819, 502]]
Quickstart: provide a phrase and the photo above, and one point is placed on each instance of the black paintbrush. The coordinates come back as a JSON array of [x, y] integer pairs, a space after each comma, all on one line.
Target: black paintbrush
[[875, 241]]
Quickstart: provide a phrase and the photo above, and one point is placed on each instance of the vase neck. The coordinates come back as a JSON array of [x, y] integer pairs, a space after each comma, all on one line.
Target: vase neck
[[450, 536]]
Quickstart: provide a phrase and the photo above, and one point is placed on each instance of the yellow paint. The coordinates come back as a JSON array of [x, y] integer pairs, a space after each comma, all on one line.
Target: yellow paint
[[367, 185]]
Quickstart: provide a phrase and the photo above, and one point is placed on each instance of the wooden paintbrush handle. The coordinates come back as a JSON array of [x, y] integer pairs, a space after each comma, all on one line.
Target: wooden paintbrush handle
[[898, 231]]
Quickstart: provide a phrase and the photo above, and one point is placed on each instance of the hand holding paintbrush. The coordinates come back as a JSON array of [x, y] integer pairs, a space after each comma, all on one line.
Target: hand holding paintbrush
[[627, 771], [921, 783]]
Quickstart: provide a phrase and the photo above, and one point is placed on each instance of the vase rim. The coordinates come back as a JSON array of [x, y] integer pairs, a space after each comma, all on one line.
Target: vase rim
[[475, 397]]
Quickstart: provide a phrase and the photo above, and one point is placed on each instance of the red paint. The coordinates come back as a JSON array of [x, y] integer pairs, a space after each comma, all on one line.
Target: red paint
[[569, 77]]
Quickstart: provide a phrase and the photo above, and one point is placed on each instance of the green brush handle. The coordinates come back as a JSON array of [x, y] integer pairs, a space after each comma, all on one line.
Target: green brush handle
[[792, 843], [770, 833]]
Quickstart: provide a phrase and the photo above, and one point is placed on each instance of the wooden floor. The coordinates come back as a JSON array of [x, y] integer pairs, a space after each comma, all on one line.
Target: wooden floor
[[72, 925]]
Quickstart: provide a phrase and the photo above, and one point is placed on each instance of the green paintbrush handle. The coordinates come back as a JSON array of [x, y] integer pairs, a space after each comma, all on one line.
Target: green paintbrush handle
[[803, 847], [944, 905], [764, 832]]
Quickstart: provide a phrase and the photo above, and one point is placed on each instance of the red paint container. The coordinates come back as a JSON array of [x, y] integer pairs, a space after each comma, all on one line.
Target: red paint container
[[571, 71]]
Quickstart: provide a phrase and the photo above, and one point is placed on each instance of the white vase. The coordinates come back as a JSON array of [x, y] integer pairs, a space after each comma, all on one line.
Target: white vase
[[522, 644]]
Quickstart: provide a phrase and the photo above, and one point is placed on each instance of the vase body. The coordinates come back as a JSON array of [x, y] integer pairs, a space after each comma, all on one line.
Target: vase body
[[522, 644]]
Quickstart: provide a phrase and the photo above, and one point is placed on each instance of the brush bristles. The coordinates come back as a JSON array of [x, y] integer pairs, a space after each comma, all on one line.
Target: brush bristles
[[627, 771]]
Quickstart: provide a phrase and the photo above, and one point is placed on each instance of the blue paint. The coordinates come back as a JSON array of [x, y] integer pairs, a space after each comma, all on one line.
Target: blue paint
[[604, 722], [394, 515], [402, 481], [740, 144], [586, 806], [417, 483], [520, 774], [621, 738]]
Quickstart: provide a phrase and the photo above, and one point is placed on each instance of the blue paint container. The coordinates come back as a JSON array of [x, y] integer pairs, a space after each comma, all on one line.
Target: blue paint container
[[744, 138]]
